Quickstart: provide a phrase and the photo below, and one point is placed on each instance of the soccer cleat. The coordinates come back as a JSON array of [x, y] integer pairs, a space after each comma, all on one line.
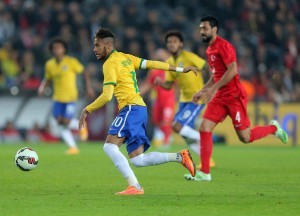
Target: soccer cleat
[[200, 176], [72, 151], [187, 161], [212, 164], [280, 133], [84, 133], [131, 190]]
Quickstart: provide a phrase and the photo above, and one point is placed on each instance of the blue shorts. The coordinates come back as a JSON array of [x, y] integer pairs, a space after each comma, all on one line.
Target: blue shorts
[[187, 113], [64, 110], [131, 123]]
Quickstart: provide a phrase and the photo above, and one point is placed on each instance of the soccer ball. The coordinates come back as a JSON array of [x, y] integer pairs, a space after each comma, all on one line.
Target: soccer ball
[[26, 159]]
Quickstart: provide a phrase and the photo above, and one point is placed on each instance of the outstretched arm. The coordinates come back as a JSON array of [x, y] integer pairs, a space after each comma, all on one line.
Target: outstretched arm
[[105, 97]]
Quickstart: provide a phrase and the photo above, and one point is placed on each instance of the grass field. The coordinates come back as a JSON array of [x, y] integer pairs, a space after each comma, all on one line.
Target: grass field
[[247, 181]]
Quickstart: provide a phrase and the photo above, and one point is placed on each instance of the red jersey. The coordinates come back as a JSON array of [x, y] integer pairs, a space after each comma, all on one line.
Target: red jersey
[[220, 54], [163, 95]]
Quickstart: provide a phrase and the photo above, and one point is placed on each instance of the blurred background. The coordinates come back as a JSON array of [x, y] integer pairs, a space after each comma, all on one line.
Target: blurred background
[[266, 34]]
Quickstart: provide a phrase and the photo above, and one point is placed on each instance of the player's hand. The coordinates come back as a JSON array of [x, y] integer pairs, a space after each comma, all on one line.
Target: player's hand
[[41, 92], [208, 94], [198, 95], [82, 119], [158, 81], [191, 68]]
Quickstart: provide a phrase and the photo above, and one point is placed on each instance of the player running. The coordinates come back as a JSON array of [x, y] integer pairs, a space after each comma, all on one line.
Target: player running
[[163, 105], [225, 96], [62, 70], [184, 120], [130, 124]]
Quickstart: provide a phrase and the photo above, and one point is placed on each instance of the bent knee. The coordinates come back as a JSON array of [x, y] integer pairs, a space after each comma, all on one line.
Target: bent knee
[[244, 139], [176, 127], [137, 161]]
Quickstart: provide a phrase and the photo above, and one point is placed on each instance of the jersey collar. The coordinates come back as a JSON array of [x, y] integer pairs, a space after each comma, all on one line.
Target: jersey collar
[[111, 53]]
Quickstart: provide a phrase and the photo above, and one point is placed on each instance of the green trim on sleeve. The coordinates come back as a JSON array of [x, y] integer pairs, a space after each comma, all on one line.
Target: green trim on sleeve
[[110, 83], [141, 63]]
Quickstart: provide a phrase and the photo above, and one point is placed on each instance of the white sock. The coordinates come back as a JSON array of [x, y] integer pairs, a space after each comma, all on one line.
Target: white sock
[[73, 125], [196, 148], [68, 137], [155, 158], [187, 131], [121, 163]]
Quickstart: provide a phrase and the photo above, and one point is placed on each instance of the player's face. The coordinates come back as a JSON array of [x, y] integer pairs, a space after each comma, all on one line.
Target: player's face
[[100, 49], [174, 45], [206, 31], [58, 49]]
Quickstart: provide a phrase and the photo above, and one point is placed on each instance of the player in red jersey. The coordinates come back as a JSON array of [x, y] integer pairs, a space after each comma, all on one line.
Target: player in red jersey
[[225, 96], [163, 106]]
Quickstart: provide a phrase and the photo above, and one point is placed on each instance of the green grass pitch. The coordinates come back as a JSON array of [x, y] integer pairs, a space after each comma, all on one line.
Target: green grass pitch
[[247, 181]]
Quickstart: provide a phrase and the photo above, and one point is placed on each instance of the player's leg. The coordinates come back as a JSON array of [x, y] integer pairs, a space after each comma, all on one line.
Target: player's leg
[[214, 113], [59, 113], [158, 135], [111, 148], [137, 143], [166, 122], [73, 122], [241, 122]]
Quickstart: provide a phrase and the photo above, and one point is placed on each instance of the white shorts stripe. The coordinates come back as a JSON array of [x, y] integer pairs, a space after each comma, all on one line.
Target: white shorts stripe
[[119, 133], [193, 114]]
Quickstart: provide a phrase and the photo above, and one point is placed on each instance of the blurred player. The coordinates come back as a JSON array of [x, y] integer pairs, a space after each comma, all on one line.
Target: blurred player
[[163, 106], [62, 70], [225, 96], [129, 126], [184, 120]]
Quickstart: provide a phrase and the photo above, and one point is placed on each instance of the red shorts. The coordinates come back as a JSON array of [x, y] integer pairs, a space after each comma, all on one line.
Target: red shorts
[[218, 109], [162, 113]]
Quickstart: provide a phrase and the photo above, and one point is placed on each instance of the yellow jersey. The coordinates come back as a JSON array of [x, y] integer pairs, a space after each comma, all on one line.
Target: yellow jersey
[[119, 70], [188, 83], [63, 75]]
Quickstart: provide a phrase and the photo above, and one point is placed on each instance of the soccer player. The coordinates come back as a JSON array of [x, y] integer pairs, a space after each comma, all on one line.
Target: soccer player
[[184, 120], [225, 96], [130, 124], [62, 70], [163, 105]]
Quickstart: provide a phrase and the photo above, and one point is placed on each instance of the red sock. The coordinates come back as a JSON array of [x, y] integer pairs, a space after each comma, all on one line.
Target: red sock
[[259, 132], [205, 150], [167, 130]]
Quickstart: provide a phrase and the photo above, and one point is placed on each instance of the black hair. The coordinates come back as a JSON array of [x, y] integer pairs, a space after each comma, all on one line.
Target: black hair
[[213, 21], [104, 33], [57, 40], [175, 34]]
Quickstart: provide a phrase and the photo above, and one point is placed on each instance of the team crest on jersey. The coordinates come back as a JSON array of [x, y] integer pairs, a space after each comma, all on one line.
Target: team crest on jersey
[[212, 57], [180, 64]]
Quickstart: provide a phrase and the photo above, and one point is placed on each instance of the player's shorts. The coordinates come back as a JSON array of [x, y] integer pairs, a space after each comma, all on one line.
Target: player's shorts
[[187, 113], [218, 109], [64, 110], [131, 123], [162, 113]]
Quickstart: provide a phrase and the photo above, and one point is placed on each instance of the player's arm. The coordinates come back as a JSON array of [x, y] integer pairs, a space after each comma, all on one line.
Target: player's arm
[[228, 75], [104, 98], [44, 84], [149, 64]]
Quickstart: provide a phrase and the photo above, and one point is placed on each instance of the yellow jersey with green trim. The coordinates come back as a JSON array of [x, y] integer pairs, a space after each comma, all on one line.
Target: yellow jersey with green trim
[[63, 75], [119, 70], [188, 83]]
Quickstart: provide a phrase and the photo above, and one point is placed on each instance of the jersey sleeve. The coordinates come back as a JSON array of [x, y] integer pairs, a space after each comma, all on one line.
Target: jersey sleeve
[[110, 74], [135, 60], [227, 53], [77, 66]]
